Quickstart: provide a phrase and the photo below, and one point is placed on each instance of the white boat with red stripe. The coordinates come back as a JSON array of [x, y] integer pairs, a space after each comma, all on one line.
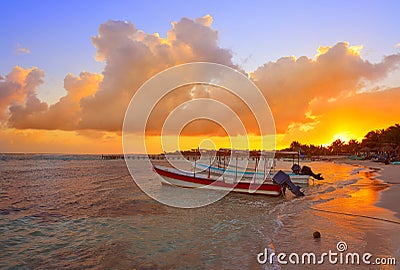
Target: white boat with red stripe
[[180, 178]]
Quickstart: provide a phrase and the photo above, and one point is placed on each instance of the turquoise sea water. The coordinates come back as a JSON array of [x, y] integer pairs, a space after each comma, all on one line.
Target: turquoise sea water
[[78, 211]]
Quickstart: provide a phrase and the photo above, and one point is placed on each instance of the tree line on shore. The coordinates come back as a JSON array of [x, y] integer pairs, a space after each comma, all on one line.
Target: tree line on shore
[[380, 141]]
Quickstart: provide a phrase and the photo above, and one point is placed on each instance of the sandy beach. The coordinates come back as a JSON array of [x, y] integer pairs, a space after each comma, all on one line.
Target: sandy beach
[[381, 232], [389, 174]]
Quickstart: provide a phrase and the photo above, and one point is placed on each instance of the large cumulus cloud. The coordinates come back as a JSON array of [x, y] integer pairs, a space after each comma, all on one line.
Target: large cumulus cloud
[[133, 56], [18, 86], [65, 114]]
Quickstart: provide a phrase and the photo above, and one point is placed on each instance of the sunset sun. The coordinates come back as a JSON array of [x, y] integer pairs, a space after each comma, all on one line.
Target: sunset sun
[[343, 136]]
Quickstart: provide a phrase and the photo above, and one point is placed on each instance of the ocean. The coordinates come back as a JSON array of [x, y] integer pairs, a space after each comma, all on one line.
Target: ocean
[[82, 212]]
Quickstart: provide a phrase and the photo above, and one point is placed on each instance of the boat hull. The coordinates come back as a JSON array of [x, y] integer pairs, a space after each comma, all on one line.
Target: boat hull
[[175, 177]]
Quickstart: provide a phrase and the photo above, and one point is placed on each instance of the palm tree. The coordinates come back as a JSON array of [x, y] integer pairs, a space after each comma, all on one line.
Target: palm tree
[[392, 134], [337, 146], [391, 137], [372, 139], [296, 146], [352, 146]]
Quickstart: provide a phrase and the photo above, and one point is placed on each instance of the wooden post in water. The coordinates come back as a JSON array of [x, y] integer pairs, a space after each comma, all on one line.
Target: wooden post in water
[[209, 168], [236, 168], [265, 166], [195, 159]]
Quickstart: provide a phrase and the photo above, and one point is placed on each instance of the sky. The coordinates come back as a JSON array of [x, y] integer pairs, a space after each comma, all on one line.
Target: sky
[[68, 69]]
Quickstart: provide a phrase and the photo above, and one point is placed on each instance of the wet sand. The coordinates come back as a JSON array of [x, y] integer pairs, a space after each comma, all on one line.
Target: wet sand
[[390, 198], [382, 237], [389, 174]]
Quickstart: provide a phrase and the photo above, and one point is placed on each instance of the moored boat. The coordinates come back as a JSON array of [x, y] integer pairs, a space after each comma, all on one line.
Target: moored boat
[[229, 170], [185, 179]]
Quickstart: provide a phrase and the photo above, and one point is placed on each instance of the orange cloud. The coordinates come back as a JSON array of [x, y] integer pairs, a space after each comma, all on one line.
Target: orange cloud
[[17, 86], [291, 85], [133, 56], [173, 100], [65, 114]]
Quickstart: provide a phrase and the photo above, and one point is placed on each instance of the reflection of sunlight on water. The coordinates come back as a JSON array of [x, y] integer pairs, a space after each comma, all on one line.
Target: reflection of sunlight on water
[[349, 190], [360, 197]]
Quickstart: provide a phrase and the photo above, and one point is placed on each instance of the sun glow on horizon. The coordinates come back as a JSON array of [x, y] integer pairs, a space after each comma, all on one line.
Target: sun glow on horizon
[[343, 136], [156, 144]]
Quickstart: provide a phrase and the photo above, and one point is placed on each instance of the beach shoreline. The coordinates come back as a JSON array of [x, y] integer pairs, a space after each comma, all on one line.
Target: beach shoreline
[[388, 174], [372, 210]]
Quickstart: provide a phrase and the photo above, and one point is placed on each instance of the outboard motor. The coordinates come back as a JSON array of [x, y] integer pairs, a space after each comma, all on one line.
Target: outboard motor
[[283, 179], [306, 171], [296, 168]]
